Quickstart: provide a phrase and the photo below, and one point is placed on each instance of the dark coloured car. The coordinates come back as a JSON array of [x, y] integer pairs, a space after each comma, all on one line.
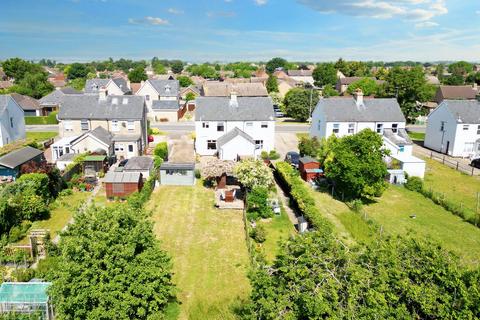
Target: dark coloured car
[[293, 158], [475, 163], [123, 163]]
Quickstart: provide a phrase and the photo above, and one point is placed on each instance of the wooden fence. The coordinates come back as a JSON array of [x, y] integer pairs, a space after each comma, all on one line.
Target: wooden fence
[[448, 161]]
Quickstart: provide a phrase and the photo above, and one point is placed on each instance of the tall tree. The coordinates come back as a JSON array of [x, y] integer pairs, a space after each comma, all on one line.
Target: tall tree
[[33, 85], [276, 63], [177, 67], [299, 103], [184, 81], [253, 173], [368, 85], [324, 74], [77, 70], [137, 75], [17, 68], [272, 84], [111, 267]]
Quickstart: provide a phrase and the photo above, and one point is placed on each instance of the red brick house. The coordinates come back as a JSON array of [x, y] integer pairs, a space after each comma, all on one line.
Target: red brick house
[[122, 184], [309, 168]]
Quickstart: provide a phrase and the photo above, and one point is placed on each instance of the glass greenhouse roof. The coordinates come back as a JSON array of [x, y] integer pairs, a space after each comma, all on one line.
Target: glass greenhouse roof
[[24, 292]]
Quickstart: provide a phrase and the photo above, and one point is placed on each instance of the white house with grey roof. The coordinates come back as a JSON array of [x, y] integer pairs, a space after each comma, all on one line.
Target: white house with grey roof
[[124, 117], [234, 127], [12, 121], [347, 116], [454, 128], [115, 86], [162, 98]]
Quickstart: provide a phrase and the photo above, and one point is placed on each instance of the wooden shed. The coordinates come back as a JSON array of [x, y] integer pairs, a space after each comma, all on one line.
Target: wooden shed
[[122, 184], [309, 168], [11, 163]]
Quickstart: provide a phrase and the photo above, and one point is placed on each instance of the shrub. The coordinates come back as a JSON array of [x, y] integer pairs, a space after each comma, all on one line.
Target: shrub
[[356, 205], [274, 155], [257, 201], [198, 174], [23, 274], [161, 150], [259, 234], [414, 184], [264, 155]]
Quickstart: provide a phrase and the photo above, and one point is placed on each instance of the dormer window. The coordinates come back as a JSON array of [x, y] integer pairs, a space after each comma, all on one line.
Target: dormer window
[[379, 127]]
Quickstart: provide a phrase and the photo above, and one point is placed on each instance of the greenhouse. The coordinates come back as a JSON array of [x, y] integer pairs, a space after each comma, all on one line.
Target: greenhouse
[[26, 298]]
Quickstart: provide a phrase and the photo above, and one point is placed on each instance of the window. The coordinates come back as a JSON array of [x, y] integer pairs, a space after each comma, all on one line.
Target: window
[[84, 125], [220, 126], [119, 147], [11, 122], [402, 148], [351, 128], [147, 97], [115, 125], [211, 144], [264, 125], [465, 127], [258, 144], [478, 129], [319, 125], [379, 127], [205, 125], [130, 148], [131, 125], [249, 124], [118, 188], [336, 128], [67, 150], [442, 126], [394, 127], [469, 147], [176, 172], [67, 125]]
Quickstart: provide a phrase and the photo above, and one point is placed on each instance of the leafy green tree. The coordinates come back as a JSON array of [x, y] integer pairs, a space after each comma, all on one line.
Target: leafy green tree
[[17, 68], [35, 85], [357, 167], [329, 91], [190, 96], [111, 267], [272, 84], [408, 86], [460, 68], [309, 146], [77, 84], [342, 66], [276, 63], [253, 173], [367, 85], [454, 80], [137, 75], [77, 70], [184, 81], [277, 100], [473, 77], [299, 103], [177, 67], [159, 69], [324, 74], [203, 70], [439, 71], [257, 204]]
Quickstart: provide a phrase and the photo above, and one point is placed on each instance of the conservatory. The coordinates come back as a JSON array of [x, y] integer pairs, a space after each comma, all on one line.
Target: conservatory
[[26, 298]]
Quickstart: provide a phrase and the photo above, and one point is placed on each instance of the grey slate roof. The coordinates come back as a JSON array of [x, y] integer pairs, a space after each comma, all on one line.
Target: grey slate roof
[[4, 102], [467, 111], [166, 88], [139, 163], [307, 159], [399, 138], [18, 157], [170, 105], [122, 177], [300, 73], [122, 84], [230, 135], [56, 97], [92, 107], [67, 157], [225, 89], [93, 85], [25, 102], [220, 109], [373, 110], [177, 166], [126, 137]]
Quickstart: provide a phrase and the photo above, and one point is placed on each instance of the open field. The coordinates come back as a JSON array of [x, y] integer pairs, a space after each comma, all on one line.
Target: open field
[[208, 248], [393, 211], [456, 186]]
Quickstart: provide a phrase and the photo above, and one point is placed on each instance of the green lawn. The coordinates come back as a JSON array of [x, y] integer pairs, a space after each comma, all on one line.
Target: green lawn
[[393, 211], [60, 214], [279, 228], [30, 138], [456, 186], [417, 136], [208, 248], [41, 136]]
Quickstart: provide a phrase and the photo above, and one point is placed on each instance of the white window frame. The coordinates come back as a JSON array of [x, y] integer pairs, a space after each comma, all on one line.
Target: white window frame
[[205, 125], [319, 125], [466, 127], [478, 129], [84, 126], [442, 126], [115, 126], [130, 125], [394, 127], [222, 125], [264, 125], [379, 128], [11, 122], [258, 144], [67, 125], [336, 128], [351, 128], [210, 142], [248, 124]]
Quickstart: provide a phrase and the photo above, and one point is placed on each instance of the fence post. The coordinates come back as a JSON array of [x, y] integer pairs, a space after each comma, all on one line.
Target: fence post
[[431, 155], [443, 160], [473, 170], [457, 165]]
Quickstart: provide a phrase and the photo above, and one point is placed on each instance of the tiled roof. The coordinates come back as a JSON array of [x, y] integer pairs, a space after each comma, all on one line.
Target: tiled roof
[[222, 109]]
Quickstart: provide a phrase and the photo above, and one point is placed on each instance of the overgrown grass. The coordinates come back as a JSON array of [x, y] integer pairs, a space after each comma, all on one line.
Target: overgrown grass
[[31, 137], [279, 228], [393, 211], [417, 136], [41, 136], [40, 120], [455, 185], [210, 257]]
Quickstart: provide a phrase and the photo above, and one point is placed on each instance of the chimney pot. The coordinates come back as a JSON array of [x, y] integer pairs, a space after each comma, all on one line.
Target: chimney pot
[[358, 97], [233, 99]]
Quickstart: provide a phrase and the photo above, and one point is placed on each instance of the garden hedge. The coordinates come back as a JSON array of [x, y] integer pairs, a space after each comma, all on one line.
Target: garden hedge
[[34, 120]]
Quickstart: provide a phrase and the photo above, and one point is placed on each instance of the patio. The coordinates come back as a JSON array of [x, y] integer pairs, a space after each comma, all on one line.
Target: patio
[[230, 198]]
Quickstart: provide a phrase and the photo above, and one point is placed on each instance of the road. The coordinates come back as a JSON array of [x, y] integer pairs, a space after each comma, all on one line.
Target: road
[[41, 128], [186, 127]]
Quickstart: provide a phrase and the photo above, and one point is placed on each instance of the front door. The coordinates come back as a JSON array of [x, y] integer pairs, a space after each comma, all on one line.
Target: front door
[[130, 150], [448, 146]]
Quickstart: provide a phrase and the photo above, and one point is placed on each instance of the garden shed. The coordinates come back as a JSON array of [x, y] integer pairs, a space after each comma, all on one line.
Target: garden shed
[[10, 164], [26, 298], [309, 168], [177, 174], [95, 163], [141, 164], [122, 184]]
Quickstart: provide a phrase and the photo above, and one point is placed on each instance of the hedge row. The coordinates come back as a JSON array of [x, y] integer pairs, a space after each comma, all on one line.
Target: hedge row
[[300, 194], [469, 215], [50, 119]]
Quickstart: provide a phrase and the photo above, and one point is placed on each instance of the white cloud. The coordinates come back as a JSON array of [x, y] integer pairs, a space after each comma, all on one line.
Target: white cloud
[[477, 12], [261, 2], [149, 20], [426, 24], [418, 10], [175, 11]]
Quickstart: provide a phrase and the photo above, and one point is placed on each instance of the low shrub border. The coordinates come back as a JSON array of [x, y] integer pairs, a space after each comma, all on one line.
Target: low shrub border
[[33, 120], [468, 215]]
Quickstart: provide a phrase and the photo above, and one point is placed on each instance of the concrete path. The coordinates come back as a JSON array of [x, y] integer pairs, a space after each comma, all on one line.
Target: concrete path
[[285, 202], [42, 127]]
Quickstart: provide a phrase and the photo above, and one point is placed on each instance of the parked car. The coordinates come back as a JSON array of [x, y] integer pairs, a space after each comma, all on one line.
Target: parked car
[[123, 163], [475, 163], [151, 138], [293, 158]]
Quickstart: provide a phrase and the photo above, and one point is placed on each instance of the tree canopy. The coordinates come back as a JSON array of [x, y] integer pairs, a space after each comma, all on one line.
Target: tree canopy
[[203, 70], [272, 84], [368, 85], [111, 267], [184, 81], [276, 63], [35, 85], [253, 173], [76, 70], [300, 102], [137, 75], [325, 74], [17, 68], [177, 66]]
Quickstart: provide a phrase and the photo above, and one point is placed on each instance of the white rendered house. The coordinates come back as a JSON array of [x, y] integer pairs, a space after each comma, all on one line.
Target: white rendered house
[[454, 128], [346, 116], [234, 127], [12, 121], [114, 86]]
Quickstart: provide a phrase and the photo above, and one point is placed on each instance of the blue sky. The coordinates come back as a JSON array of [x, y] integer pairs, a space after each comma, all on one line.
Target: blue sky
[[231, 30]]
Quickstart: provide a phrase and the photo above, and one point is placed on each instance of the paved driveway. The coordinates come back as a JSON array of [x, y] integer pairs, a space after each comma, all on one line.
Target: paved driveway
[[285, 142]]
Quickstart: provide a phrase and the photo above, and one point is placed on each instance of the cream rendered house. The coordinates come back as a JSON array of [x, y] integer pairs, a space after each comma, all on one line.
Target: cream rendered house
[[162, 98], [114, 86]]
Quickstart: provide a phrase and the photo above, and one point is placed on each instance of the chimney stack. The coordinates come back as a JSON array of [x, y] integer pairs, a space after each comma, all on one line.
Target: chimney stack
[[102, 93], [358, 95], [475, 86], [233, 99]]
